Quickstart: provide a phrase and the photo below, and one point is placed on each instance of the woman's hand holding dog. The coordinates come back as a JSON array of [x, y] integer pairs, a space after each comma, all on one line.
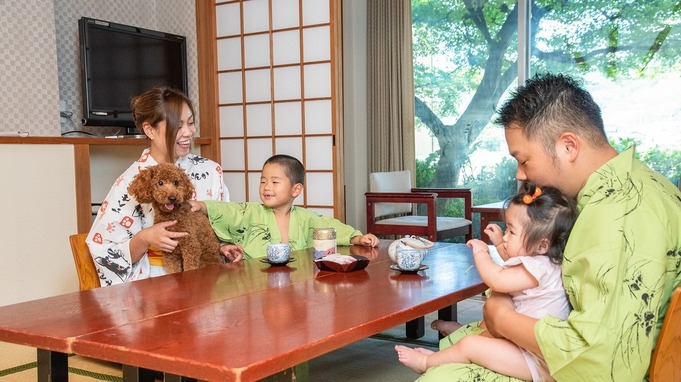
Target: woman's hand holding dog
[[156, 236]]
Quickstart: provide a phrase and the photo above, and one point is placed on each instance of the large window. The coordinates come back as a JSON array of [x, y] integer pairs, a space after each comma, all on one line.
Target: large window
[[466, 59]]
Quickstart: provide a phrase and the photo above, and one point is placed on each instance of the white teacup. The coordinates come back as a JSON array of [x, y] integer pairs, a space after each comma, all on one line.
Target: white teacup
[[278, 253], [409, 259]]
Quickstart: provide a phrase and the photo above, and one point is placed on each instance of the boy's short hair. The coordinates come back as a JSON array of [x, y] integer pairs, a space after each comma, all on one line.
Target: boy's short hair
[[295, 171]]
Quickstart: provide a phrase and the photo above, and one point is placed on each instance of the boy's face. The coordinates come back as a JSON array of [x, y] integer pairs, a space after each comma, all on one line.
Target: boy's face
[[276, 190]]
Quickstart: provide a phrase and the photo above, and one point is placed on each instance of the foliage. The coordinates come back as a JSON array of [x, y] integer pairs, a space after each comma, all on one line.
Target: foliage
[[489, 186], [465, 58], [666, 162]]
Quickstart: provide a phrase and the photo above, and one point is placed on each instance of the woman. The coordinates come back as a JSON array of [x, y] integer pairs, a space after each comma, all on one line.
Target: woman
[[124, 242]]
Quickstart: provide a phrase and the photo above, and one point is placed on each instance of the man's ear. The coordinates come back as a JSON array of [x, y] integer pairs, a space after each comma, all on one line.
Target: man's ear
[[568, 146], [543, 246], [297, 189]]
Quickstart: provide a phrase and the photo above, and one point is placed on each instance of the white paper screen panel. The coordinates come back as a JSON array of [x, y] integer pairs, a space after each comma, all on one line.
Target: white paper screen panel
[[233, 153], [276, 93], [232, 121], [288, 118], [230, 54]]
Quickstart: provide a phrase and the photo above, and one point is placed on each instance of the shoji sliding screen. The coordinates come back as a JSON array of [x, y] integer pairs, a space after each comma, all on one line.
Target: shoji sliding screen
[[276, 80]]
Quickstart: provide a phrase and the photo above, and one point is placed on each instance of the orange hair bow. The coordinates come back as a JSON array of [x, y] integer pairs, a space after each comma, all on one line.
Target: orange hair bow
[[527, 198]]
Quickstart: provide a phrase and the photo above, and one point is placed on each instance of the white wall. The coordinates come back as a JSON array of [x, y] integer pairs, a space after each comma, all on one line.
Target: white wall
[[38, 205]]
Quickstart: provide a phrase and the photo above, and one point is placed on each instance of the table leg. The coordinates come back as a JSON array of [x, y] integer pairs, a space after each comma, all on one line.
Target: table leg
[[298, 373], [137, 374], [415, 328], [176, 378], [446, 314], [52, 366]]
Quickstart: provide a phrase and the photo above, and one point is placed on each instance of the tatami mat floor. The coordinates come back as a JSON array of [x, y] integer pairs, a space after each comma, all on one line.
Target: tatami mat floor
[[372, 359]]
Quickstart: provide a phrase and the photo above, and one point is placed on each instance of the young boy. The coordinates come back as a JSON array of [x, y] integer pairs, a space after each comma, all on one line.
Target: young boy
[[276, 220]]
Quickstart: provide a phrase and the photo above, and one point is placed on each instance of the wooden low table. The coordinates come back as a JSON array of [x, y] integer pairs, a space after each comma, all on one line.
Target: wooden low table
[[237, 322]]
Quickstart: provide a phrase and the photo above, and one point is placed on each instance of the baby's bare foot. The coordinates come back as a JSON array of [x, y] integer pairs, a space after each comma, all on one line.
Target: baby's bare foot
[[445, 327], [424, 351], [414, 359]]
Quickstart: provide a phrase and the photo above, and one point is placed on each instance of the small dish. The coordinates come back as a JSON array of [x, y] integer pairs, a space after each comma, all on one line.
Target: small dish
[[394, 267], [267, 261], [331, 266]]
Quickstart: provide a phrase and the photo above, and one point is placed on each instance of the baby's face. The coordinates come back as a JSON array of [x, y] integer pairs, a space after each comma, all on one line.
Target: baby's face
[[276, 190], [514, 237]]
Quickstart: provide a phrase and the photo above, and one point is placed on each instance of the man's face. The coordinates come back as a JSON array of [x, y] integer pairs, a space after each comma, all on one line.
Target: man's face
[[534, 164]]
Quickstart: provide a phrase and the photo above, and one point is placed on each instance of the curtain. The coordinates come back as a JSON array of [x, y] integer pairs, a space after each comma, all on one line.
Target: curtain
[[390, 87]]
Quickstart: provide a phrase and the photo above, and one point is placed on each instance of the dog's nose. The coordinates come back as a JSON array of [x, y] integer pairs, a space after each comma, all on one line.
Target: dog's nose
[[171, 199]]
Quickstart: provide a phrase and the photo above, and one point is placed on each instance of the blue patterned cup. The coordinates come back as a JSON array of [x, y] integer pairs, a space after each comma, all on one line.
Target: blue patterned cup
[[409, 259], [278, 253]]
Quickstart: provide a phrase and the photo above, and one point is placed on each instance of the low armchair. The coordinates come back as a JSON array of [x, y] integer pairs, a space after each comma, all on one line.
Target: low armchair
[[391, 205]]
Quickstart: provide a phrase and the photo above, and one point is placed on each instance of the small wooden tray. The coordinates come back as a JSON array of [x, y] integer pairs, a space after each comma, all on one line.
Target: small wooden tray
[[332, 266]]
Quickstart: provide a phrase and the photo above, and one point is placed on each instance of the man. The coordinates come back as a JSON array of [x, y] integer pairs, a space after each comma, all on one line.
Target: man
[[622, 260]]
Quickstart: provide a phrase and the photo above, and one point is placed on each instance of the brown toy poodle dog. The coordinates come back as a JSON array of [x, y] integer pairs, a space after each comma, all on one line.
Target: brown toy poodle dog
[[168, 189]]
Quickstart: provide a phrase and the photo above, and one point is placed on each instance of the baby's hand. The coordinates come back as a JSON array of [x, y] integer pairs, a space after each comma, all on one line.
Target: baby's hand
[[198, 207], [368, 240], [477, 246], [494, 233]]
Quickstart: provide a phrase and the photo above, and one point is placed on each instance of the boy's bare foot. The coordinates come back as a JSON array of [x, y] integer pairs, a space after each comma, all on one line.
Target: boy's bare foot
[[445, 327], [414, 359]]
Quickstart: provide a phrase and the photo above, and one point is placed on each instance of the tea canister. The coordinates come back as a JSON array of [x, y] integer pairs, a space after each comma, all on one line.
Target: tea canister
[[324, 242]]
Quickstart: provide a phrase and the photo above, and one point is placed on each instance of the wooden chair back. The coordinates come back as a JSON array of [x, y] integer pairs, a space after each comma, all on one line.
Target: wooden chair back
[[666, 363], [390, 194], [85, 266]]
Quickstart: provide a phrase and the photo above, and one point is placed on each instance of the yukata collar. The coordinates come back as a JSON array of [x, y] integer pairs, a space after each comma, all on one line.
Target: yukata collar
[[624, 161]]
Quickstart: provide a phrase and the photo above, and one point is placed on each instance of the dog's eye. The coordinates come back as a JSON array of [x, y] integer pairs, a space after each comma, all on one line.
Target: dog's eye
[[176, 183], [160, 183]]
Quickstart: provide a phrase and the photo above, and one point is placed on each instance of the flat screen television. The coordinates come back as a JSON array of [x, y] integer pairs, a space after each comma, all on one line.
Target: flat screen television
[[119, 62]]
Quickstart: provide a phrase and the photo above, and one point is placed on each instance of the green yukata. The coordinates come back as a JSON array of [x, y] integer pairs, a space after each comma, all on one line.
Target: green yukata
[[253, 226], [621, 264]]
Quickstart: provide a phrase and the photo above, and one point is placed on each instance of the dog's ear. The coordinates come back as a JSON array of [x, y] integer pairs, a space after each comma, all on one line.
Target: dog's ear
[[141, 186]]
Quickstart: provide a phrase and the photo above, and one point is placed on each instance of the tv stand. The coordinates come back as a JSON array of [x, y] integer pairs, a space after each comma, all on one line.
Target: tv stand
[[128, 136], [130, 132]]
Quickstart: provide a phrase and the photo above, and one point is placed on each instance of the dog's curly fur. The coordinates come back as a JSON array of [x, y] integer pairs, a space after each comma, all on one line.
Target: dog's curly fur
[[169, 190]]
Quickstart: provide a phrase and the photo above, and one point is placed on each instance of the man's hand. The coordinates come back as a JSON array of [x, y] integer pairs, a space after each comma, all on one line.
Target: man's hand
[[494, 308], [503, 321]]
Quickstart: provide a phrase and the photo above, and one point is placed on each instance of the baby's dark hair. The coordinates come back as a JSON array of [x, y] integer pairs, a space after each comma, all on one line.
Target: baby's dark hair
[[551, 216], [294, 170]]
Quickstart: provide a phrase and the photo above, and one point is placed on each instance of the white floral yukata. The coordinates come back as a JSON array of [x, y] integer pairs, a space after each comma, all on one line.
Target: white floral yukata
[[121, 217]]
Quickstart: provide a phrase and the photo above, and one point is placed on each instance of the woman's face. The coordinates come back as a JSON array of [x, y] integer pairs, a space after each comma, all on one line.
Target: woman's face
[[186, 132], [183, 138]]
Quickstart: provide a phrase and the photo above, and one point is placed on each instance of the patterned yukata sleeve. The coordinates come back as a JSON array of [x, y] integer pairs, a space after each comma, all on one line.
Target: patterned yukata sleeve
[[118, 219]]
